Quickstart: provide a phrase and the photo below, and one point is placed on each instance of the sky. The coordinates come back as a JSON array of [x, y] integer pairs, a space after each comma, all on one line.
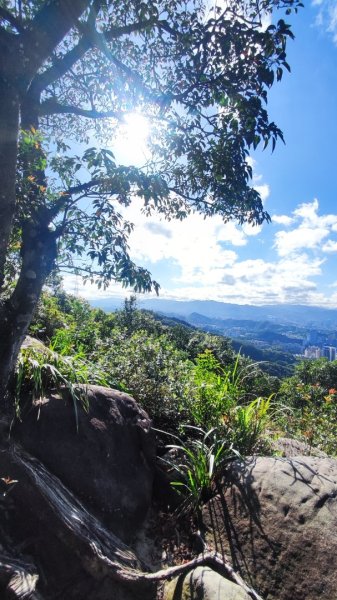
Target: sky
[[293, 259]]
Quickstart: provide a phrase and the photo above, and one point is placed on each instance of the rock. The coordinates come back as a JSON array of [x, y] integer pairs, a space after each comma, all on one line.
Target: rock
[[203, 584], [109, 462], [30, 342], [51, 546], [291, 447], [276, 519]]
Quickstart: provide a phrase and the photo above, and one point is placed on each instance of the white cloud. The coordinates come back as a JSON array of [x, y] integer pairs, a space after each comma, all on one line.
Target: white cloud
[[326, 17], [307, 211], [251, 230], [330, 246], [198, 247], [260, 282], [311, 231], [287, 242], [208, 259], [282, 220]]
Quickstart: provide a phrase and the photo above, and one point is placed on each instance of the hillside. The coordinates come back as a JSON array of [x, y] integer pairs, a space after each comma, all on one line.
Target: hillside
[[286, 314], [274, 335]]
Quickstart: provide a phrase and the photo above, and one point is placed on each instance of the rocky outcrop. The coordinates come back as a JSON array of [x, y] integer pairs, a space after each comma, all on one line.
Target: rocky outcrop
[[105, 456], [277, 520], [203, 584], [75, 485], [51, 546]]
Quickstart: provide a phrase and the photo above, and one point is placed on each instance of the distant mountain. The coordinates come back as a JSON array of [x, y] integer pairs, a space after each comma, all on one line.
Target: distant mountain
[[287, 314]]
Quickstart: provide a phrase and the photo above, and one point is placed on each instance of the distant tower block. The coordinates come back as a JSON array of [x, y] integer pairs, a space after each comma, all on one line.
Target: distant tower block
[[329, 352]]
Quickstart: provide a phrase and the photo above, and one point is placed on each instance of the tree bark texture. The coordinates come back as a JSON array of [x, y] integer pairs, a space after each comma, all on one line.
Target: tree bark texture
[[38, 256], [9, 128], [21, 57]]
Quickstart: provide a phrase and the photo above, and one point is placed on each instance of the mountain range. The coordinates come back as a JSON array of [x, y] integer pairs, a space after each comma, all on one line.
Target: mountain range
[[285, 314]]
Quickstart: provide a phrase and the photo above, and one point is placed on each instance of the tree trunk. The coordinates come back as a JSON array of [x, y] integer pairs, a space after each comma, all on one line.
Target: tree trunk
[[38, 256], [9, 127]]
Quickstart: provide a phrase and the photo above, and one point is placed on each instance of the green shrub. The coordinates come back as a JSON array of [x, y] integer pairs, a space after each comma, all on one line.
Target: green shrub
[[198, 463], [215, 391], [151, 369], [248, 424]]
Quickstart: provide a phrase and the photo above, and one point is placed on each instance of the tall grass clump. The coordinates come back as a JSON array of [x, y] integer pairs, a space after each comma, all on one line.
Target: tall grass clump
[[196, 462], [41, 370]]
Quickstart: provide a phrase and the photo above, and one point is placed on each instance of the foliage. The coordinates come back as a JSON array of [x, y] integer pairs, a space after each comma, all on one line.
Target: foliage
[[155, 360], [310, 383], [312, 396], [248, 424], [41, 370], [200, 75], [48, 318], [319, 371], [151, 369], [198, 462], [215, 391], [200, 457]]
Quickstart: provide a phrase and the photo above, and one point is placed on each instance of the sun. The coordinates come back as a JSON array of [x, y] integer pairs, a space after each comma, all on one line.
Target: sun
[[132, 138]]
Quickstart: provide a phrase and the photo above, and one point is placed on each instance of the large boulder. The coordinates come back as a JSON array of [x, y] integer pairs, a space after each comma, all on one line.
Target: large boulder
[[203, 584], [51, 546], [276, 518], [105, 456]]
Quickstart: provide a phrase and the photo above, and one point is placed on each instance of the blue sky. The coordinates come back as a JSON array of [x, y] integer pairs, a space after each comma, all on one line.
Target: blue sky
[[292, 260]]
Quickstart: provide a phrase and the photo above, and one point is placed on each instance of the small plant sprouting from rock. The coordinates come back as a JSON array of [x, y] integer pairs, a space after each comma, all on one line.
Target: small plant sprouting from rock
[[197, 462]]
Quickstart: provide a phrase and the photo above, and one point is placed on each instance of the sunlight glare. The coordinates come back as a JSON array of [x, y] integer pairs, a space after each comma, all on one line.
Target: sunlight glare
[[131, 142]]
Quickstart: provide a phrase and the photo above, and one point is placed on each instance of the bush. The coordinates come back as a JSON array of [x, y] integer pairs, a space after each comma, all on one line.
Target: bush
[[151, 369]]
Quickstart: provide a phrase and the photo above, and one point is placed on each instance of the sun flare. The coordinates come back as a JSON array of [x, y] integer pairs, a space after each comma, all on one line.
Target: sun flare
[[132, 139]]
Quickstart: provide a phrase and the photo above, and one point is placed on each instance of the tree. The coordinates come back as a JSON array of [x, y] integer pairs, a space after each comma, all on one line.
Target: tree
[[68, 66]]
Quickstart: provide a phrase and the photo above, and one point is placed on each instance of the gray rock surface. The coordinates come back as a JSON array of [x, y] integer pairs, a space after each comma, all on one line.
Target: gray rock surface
[[50, 539], [276, 518], [290, 447], [203, 584], [109, 463]]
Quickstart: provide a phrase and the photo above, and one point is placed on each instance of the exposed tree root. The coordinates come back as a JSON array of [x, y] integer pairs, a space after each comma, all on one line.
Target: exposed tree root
[[212, 559], [23, 578], [102, 553]]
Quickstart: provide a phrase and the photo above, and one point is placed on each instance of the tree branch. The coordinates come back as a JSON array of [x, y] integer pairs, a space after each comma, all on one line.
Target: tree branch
[[100, 42], [213, 559], [117, 32], [60, 66], [83, 187], [11, 19], [48, 28], [52, 107]]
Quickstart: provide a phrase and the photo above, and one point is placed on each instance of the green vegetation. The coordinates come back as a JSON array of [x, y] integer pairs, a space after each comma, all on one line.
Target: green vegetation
[[192, 384], [311, 398], [41, 369], [178, 374], [214, 404], [197, 461]]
